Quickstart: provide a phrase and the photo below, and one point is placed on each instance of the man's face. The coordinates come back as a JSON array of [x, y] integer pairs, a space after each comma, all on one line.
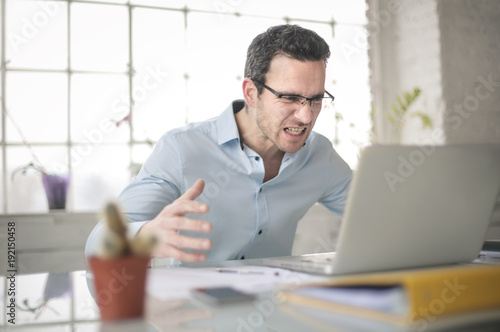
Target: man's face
[[288, 126]]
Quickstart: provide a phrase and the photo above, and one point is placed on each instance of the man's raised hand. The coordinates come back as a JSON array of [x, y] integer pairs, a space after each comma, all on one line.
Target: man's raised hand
[[171, 219]]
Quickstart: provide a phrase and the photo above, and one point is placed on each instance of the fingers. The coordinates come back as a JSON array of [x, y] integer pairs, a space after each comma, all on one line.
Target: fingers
[[171, 244], [189, 224], [174, 243], [181, 207], [172, 219], [182, 241], [195, 191], [168, 250]]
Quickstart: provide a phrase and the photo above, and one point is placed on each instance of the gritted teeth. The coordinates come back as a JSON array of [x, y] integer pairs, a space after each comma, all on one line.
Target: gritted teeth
[[295, 131]]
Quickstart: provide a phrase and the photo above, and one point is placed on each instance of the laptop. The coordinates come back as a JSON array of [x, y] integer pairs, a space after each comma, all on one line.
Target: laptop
[[410, 207]]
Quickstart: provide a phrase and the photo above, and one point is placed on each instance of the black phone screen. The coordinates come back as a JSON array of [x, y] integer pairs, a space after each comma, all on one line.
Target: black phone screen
[[221, 295]]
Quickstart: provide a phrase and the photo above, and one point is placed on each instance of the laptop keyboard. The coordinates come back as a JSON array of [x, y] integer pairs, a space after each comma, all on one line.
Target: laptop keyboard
[[322, 258]]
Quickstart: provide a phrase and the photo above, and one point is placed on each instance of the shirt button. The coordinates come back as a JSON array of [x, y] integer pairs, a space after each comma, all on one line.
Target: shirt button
[[242, 257], [260, 231], [257, 158]]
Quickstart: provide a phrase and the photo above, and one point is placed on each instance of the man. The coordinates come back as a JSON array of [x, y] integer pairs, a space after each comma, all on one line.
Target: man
[[235, 187]]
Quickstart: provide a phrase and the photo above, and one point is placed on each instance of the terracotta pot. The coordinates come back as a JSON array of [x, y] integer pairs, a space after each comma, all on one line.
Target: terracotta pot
[[120, 285]]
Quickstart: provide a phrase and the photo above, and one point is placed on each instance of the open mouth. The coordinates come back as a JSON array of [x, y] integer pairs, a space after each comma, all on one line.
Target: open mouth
[[295, 131]]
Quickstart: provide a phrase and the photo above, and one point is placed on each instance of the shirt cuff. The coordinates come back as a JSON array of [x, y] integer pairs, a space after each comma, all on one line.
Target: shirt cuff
[[134, 227]]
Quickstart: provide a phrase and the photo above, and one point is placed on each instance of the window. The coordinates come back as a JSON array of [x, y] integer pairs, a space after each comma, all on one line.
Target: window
[[93, 84]]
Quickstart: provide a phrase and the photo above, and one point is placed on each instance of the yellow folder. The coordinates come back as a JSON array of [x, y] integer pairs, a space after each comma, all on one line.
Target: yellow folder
[[429, 294]]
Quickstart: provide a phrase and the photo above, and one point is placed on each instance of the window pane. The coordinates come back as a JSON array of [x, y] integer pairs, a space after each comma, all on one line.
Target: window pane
[[36, 34], [198, 94], [32, 291], [108, 1], [158, 41], [85, 307], [159, 109], [2, 184], [209, 36], [160, 3], [38, 104], [177, 67], [99, 37], [100, 173], [158, 90], [349, 66], [318, 10], [140, 152], [1, 30], [3, 97], [349, 52], [25, 193], [97, 101], [353, 11]]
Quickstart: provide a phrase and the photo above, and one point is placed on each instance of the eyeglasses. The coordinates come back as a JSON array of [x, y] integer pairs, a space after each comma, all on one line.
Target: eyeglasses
[[316, 103]]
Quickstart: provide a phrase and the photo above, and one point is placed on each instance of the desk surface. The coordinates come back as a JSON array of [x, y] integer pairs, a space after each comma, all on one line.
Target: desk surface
[[76, 311]]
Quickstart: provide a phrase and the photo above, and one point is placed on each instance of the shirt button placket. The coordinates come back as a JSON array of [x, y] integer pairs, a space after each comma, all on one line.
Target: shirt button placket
[[262, 215]]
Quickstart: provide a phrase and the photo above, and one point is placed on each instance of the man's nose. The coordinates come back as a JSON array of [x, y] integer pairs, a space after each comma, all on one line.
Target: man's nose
[[304, 113]]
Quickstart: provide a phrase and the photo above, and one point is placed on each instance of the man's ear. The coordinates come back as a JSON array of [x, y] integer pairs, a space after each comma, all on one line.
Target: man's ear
[[250, 92]]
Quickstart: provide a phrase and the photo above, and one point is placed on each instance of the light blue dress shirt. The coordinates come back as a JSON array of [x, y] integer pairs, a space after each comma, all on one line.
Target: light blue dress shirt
[[251, 219]]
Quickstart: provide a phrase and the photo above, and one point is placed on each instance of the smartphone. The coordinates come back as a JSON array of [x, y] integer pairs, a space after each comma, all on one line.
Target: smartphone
[[221, 295]]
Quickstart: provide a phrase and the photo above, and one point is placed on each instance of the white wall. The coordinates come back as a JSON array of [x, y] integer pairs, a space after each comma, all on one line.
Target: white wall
[[451, 50], [405, 53], [448, 48], [470, 57]]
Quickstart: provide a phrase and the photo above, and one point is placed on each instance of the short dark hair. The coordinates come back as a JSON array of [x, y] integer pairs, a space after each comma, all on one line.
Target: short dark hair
[[290, 40]]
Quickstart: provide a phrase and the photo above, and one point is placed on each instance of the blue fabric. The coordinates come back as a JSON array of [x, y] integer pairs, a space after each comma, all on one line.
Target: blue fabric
[[251, 219]]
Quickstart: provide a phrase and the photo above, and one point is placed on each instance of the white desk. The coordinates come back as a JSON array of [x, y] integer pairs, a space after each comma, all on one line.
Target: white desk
[[78, 312]]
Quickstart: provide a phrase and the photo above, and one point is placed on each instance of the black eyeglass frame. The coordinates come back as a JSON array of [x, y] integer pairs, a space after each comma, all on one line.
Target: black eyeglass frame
[[280, 95]]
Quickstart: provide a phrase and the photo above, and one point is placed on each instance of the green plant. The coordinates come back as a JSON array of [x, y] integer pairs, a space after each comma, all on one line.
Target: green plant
[[400, 113]]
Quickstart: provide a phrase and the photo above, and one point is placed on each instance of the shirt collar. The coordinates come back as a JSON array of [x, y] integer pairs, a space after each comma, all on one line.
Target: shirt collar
[[226, 124]]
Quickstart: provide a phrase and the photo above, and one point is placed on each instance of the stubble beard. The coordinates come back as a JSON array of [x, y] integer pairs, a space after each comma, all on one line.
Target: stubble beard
[[267, 131]]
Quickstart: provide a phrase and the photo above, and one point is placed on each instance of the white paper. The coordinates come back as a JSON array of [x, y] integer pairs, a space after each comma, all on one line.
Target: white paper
[[389, 299], [176, 283]]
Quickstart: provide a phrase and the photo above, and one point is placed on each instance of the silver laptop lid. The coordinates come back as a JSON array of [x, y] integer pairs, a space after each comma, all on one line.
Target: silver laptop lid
[[412, 206]]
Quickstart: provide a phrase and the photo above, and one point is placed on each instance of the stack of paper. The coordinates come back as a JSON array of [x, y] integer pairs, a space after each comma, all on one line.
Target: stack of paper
[[415, 298]]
